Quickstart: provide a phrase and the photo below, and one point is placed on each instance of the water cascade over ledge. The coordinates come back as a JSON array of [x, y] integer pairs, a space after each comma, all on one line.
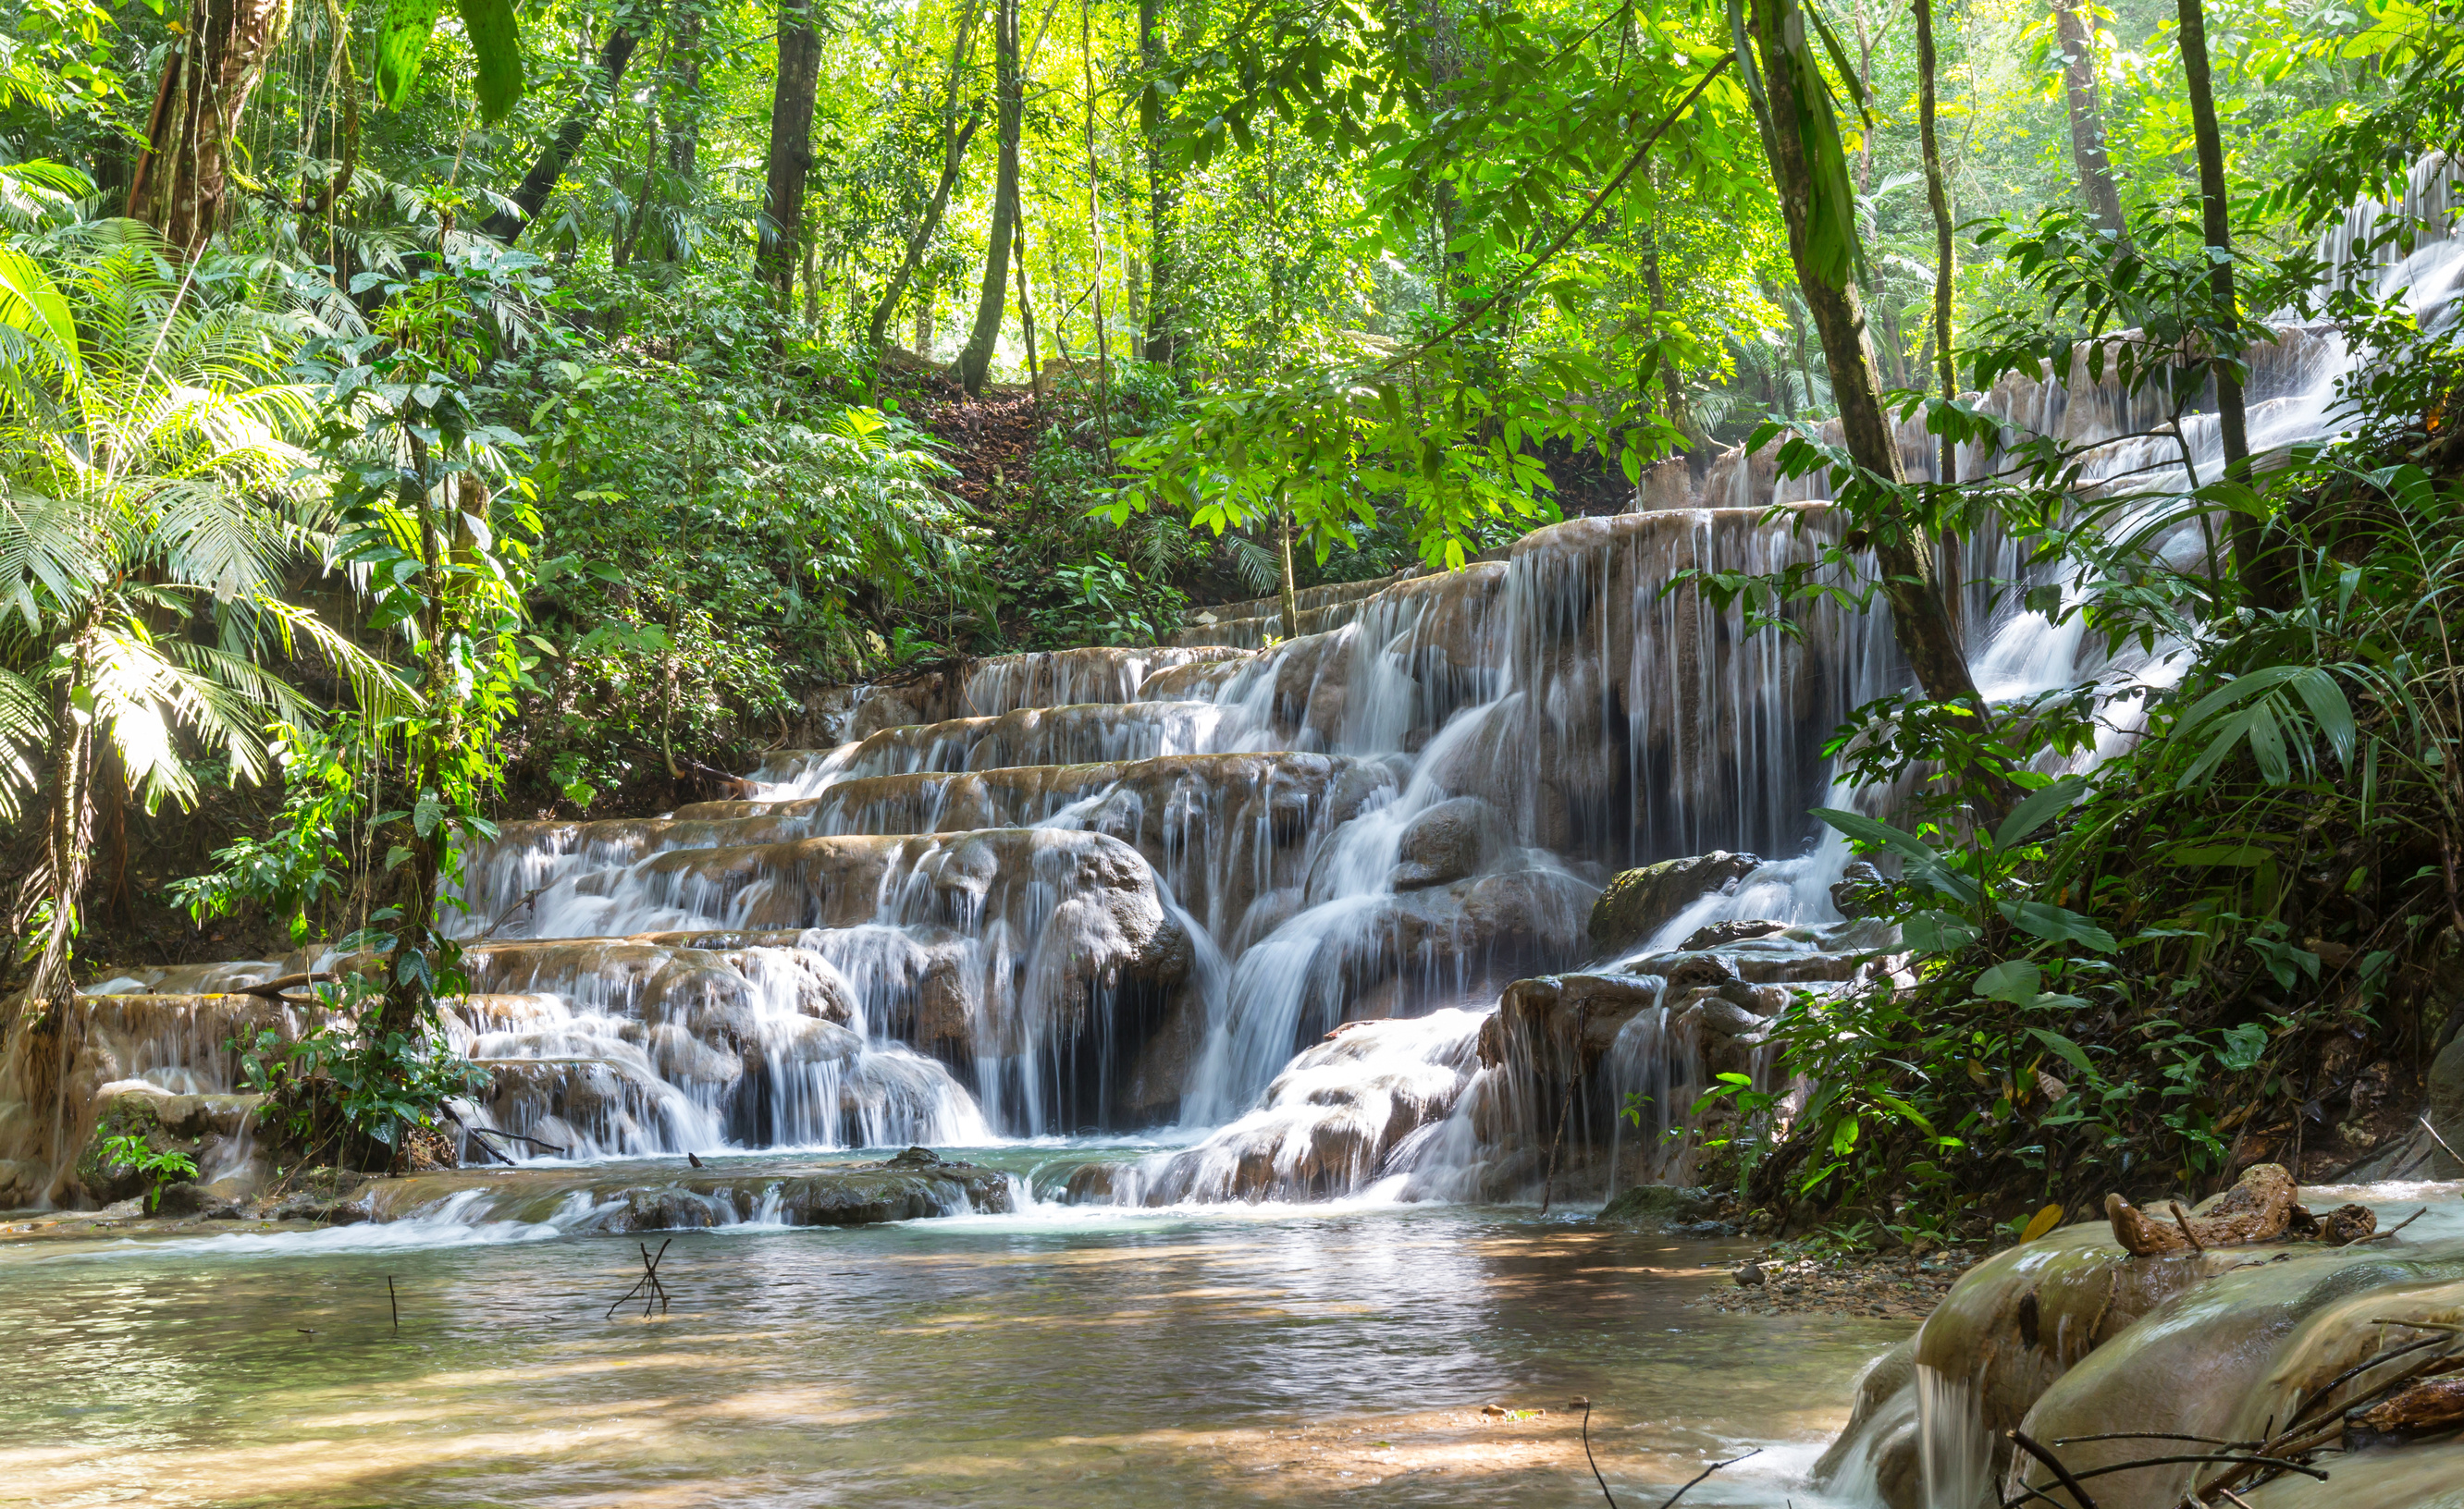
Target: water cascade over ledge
[[1295, 909]]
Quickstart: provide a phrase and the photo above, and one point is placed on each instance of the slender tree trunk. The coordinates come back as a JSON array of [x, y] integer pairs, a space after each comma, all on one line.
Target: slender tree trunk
[[1025, 304], [557, 151], [1945, 268], [2215, 213], [183, 178], [1903, 557], [954, 138], [1162, 343], [68, 843], [791, 151], [2076, 28], [926, 229], [977, 360], [1290, 601]]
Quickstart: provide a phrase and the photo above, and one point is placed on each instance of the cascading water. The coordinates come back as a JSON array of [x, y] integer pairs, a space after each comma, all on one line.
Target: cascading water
[[1268, 898]]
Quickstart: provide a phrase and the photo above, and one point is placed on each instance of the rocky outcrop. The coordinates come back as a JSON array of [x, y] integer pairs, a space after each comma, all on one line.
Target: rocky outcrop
[[1641, 902], [2072, 1338]]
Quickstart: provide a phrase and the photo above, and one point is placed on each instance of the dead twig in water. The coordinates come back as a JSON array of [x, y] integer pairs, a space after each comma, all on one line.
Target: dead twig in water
[[1586, 1403], [395, 1303], [2159, 1435], [1706, 1473], [649, 1277], [507, 916], [2028, 1444], [1566, 1108]]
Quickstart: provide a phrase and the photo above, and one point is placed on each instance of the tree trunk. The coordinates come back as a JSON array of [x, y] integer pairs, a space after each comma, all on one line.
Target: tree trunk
[[775, 257], [2215, 213], [68, 844], [1945, 265], [558, 152], [1025, 303], [1162, 342], [183, 177], [2076, 30], [886, 308], [1817, 215], [977, 359], [1288, 601]]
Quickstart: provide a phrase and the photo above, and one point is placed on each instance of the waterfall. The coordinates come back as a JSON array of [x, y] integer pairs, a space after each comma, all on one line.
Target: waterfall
[[1268, 900]]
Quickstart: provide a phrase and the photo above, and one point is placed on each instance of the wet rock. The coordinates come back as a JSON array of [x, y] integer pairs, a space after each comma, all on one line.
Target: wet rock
[[1720, 934], [1860, 892], [1661, 1207], [1641, 902], [1449, 842]]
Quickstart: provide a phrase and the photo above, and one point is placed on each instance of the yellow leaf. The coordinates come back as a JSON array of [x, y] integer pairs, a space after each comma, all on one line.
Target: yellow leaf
[[2043, 1221]]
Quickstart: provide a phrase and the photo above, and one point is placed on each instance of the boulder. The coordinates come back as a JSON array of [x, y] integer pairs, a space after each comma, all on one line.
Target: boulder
[[1449, 841], [1641, 902], [1663, 1208]]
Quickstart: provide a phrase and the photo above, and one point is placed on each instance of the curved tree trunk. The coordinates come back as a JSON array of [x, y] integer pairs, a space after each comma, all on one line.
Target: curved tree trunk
[[977, 360], [2076, 30], [886, 308], [1818, 215], [557, 153], [182, 180]]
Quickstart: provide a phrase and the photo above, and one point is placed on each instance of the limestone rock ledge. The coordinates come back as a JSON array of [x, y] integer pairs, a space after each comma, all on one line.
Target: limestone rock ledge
[[2071, 1337]]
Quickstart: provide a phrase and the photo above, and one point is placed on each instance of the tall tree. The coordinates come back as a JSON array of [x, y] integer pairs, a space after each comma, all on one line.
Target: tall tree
[[2215, 215], [2076, 30], [977, 360], [1810, 168], [218, 59], [557, 153], [1162, 342], [790, 161]]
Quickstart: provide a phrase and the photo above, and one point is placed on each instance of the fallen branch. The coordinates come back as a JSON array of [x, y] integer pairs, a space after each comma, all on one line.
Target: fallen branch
[[2391, 1230], [649, 1277], [507, 916], [2441, 1140], [274, 988], [2028, 1444], [1586, 1403]]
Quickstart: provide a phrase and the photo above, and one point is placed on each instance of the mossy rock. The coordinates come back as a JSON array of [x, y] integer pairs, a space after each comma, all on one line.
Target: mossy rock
[[1662, 1206], [1639, 901], [107, 1180]]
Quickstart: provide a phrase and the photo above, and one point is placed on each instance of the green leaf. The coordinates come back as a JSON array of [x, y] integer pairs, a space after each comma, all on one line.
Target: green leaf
[[401, 40], [2244, 1046], [2041, 807], [2071, 1053], [2013, 980], [497, 44], [2053, 924], [425, 815], [1938, 932]]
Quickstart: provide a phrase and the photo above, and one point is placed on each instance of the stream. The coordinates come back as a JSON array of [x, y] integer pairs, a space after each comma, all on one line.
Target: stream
[[1087, 1356]]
